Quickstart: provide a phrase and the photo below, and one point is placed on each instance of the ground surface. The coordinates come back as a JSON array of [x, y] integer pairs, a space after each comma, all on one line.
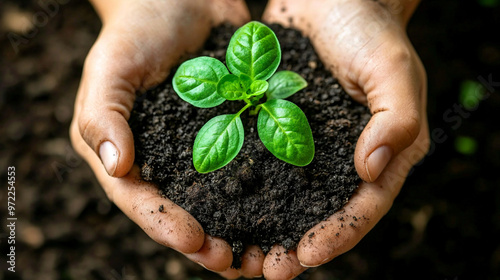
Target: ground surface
[[444, 224]]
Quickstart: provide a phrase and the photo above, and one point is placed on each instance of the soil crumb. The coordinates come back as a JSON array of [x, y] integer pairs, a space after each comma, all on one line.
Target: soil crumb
[[256, 199]]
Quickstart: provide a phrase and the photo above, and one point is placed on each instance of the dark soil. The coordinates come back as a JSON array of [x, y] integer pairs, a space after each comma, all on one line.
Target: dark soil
[[444, 224], [256, 199]]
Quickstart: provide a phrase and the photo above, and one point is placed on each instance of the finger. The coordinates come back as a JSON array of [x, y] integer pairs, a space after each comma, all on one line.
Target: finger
[[215, 254], [281, 12], [231, 273], [231, 11], [281, 264], [105, 99], [344, 229], [252, 261], [161, 219], [123, 61], [393, 89]]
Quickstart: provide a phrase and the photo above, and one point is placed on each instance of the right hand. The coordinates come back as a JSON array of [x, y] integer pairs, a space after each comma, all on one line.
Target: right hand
[[139, 43]]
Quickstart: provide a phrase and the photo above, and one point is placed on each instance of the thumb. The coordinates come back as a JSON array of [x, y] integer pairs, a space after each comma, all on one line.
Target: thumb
[[393, 93], [105, 100]]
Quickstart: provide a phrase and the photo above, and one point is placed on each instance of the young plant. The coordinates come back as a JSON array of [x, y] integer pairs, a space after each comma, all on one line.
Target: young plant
[[252, 57]]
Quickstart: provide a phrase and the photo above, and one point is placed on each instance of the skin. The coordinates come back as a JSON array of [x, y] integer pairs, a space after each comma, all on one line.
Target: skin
[[135, 50], [365, 45], [363, 42]]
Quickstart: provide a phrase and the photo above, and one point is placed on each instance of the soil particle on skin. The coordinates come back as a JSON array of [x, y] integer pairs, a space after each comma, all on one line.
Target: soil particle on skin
[[256, 199]]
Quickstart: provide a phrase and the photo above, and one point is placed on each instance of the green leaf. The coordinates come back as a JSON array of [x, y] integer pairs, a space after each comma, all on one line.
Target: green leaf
[[285, 131], [254, 50], [217, 143], [246, 80], [258, 87], [284, 84], [231, 87], [196, 81]]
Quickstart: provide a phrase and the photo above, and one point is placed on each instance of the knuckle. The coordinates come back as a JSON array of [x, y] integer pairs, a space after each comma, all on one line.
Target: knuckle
[[85, 128], [401, 54], [399, 57], [411, 125]]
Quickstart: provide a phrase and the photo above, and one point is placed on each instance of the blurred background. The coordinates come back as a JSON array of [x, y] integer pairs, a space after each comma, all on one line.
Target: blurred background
[[445, 224]]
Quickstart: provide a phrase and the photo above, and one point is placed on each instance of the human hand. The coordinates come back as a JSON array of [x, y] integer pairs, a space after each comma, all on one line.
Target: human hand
[[365, 45], [139, 42]]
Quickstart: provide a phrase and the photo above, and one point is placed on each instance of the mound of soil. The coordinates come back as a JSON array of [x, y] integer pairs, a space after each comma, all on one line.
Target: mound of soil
[[256, 199]]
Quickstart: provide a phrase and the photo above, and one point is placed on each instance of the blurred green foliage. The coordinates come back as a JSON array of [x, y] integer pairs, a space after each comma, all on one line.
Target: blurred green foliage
[[489, 3], [465, 145], [471, 93]]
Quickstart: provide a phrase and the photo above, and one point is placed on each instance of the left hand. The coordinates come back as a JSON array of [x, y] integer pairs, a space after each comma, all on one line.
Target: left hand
[[365, 45]]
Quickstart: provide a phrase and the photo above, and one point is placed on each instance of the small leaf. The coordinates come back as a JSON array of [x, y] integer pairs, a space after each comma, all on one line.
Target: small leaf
[[254, 50], [285, 131], [196, 81], [231, 87], [258, 87], [246, 80], [284, 84], [217, 143]]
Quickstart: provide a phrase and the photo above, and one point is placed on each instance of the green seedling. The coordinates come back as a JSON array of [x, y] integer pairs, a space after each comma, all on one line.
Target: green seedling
[[252, 57]]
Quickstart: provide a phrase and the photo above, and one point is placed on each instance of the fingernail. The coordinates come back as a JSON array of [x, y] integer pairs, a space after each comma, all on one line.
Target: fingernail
[[109, 157], [309, 266], [316, 265], [202, 265], [377, 161]]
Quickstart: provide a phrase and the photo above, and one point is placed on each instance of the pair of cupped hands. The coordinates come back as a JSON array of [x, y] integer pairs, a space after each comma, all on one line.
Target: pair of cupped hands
[[363, 42]]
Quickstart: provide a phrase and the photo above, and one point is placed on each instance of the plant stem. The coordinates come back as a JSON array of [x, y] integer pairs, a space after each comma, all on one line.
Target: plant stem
[[255, 110], [243, 109]]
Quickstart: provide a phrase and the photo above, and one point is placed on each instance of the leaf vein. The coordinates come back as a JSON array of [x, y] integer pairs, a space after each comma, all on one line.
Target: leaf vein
[[268, 35], [213, 145], [289, 141]]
